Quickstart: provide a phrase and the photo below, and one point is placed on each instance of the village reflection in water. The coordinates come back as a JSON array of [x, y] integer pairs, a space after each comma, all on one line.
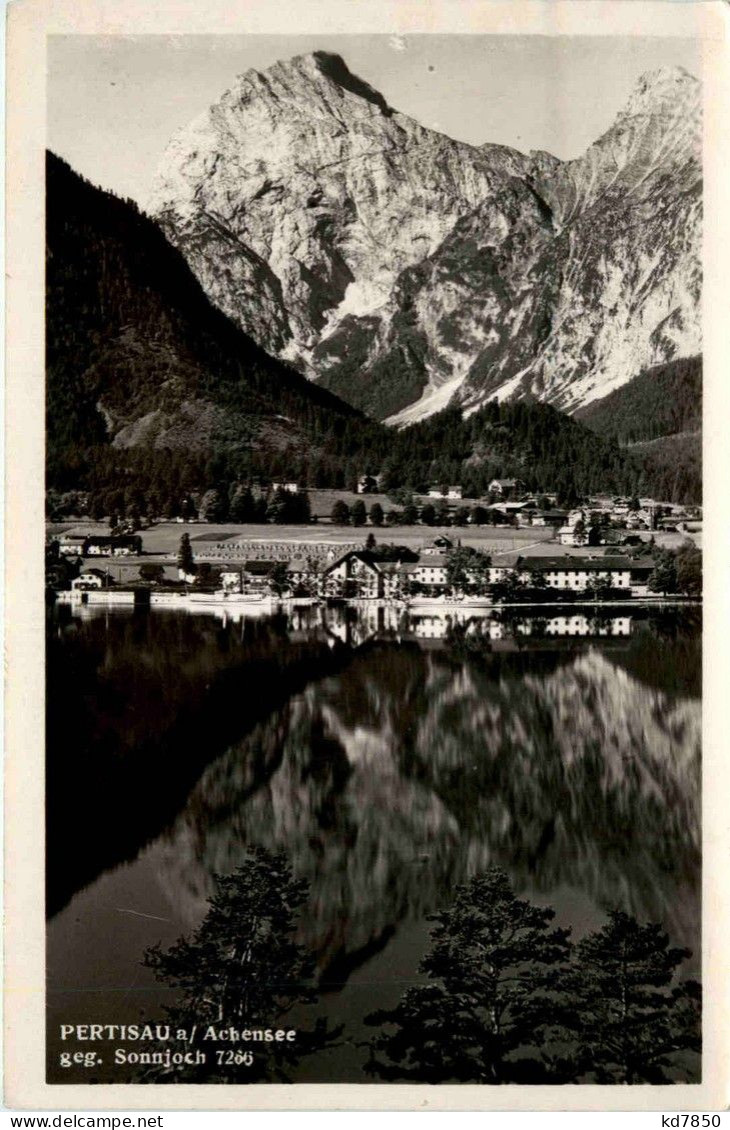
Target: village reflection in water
[[390, 756]]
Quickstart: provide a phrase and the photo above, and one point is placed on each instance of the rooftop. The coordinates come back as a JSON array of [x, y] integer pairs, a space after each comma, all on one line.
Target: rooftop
[[581, 564], [433, 560]]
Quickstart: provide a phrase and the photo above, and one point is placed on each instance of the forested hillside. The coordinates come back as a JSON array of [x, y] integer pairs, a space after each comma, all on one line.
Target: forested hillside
[[658, 415], [152, 393], [673, 465], [137, 357], [662, 401]]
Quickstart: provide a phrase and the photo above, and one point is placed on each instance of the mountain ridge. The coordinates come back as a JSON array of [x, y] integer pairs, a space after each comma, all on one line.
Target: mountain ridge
[[332, 228], [151, 390]]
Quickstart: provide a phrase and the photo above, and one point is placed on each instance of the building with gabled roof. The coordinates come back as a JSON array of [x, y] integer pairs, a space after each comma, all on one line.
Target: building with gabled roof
[[507, 488], [440, 544]]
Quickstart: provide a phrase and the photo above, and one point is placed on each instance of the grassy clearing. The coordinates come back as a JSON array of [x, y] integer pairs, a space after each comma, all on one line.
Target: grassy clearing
[[166, 538], [322, 501], [498, 541]]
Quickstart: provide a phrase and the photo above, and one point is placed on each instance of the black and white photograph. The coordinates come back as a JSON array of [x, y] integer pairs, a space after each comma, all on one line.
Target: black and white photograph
[[373, 559]]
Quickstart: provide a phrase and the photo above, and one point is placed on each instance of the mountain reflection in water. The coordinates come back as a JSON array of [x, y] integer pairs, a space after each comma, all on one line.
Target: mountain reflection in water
[[410, 772], [418, 750]]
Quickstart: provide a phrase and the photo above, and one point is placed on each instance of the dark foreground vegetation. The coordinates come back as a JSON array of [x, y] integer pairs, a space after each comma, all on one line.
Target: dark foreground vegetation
[[504, 995]]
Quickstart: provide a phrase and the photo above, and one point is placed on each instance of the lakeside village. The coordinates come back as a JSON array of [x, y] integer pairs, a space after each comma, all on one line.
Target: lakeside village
[[606, 550]]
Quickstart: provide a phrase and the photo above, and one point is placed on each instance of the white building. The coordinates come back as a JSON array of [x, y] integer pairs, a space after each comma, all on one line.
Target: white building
[[90, 579], [440, 545], [72, 545], [576, 573], [453, 493], [507, 488], [431, 571]]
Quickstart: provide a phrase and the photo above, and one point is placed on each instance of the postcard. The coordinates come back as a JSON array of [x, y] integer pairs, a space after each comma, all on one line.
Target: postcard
[[366, 451]]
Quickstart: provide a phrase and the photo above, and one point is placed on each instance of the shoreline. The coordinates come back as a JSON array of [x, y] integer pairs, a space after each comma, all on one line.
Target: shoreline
[[128, 598]]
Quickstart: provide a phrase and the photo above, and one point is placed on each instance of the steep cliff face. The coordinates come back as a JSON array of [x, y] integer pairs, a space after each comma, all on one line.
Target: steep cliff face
[[401, 268], [618, 288], [443, 313], [301, 195]]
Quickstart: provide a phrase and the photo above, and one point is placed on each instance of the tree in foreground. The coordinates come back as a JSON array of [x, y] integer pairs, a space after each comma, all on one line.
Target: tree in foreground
[[495, 968], [580, 533], [242, 968], [633, 1023]]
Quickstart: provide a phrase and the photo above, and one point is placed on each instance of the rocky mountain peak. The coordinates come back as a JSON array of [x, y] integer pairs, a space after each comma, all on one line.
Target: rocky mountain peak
[[321, 76], [335, 68], [663, 88], [403, 269], [300, 196], [662, 119]]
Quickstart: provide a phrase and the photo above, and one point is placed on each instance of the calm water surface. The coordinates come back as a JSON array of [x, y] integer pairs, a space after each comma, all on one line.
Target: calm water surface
[[390, 757]]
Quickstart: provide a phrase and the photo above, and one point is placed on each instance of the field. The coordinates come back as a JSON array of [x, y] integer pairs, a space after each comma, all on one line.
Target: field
[[164, 539], [322, 501]]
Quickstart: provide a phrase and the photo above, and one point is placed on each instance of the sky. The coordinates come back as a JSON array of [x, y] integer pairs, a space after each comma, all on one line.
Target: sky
[[114, 102]]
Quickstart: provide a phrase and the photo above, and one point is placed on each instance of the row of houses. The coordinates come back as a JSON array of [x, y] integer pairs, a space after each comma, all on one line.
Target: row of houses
[[364, 574], [360, 574], [82, 545], [504, 488]]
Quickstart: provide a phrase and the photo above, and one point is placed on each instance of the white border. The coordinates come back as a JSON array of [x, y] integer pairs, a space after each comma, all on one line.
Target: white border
[[29, 22]]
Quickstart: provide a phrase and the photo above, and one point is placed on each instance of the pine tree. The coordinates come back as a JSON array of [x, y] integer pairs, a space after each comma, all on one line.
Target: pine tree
[[340, 515], [494, 968], [185, 559], [279, 506], [242, 505], [631, 1020], [663, 579], [376, 514], [279, 578], [243, 968]]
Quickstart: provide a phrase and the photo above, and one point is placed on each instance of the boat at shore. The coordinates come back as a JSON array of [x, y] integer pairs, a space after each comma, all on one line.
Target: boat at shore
[[450, 602], [236, 599]]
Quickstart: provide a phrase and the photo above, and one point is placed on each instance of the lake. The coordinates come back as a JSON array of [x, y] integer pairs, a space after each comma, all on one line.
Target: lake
[[390, 757]]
